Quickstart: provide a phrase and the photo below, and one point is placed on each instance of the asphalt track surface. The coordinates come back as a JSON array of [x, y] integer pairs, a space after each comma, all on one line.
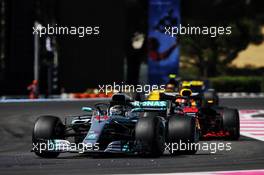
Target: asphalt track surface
[[16, 122]]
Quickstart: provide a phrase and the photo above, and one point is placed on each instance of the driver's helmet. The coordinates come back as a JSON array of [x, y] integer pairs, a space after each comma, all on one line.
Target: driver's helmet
[[170, 87], [117, 110]]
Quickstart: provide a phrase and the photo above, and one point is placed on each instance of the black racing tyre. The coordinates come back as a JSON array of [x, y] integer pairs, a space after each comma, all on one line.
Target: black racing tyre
[[47, 127], [182, 130], [150, 136], [231, 123]]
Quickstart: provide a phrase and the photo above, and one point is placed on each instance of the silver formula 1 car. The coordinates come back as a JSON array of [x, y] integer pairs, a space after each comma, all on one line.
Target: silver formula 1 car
[[121, 126]]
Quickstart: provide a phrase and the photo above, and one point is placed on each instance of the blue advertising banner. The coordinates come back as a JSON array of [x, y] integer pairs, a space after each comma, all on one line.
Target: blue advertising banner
[[163, 50]]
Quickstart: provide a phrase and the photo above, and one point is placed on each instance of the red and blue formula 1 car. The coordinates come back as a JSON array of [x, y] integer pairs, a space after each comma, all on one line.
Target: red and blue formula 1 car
[[214, 121]]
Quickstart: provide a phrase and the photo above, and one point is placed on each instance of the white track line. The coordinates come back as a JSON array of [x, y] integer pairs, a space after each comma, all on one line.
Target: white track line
[[235, 172], [250, 126], [50, 100]]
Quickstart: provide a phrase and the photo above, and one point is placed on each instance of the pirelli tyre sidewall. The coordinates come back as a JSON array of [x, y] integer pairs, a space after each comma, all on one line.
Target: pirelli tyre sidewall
[[150, 136], [231, 123], [45, 128], [183, 130]]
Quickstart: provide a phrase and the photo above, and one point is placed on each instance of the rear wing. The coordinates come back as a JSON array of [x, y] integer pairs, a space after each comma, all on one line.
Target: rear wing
[[195, 84]]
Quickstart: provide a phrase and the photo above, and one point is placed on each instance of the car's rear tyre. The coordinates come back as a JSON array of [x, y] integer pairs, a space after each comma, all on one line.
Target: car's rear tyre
[[150, 136], [45, 128], [231, 123], [182, 130]]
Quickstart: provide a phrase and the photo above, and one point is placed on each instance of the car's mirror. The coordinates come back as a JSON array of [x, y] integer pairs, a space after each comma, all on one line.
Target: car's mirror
[[137, 110], [87, 109]]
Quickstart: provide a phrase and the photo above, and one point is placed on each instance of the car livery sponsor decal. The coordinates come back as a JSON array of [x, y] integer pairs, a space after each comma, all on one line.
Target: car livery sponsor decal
[[92, 135], [148, 104]]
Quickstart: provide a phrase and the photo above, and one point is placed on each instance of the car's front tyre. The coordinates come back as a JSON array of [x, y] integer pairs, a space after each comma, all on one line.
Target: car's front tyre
[[183, 130], [46, 128], [150, 134], [231, 123]]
